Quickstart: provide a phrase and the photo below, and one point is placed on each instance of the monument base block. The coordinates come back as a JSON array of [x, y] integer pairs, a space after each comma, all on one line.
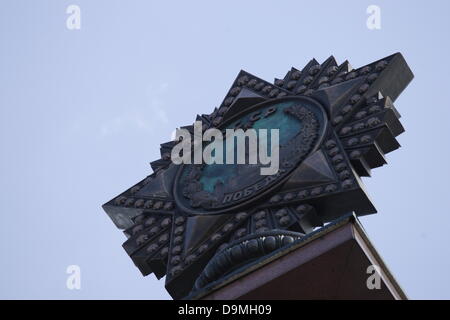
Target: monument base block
[[337, 261]]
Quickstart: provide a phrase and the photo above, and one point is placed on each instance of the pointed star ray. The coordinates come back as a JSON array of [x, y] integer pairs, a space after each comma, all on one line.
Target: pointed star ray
[[167, 239]]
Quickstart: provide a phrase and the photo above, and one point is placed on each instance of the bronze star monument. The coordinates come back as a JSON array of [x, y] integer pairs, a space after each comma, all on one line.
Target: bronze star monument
[[200, 225]]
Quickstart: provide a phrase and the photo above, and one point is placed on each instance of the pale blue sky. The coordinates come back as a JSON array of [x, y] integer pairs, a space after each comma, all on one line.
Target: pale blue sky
[[83, 113]]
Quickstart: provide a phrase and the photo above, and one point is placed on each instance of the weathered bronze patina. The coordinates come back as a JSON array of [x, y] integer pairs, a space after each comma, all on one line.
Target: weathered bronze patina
[[196, 224]]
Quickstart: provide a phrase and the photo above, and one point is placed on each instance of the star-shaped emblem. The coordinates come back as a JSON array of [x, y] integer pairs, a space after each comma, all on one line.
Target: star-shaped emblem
[[175, 227]]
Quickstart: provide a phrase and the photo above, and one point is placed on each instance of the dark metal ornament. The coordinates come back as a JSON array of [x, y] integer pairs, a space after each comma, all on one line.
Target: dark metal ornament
[[195, 224], [309, 121]]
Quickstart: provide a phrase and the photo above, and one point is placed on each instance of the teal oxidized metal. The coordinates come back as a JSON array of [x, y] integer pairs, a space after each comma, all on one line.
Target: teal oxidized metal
[[197, 223]]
